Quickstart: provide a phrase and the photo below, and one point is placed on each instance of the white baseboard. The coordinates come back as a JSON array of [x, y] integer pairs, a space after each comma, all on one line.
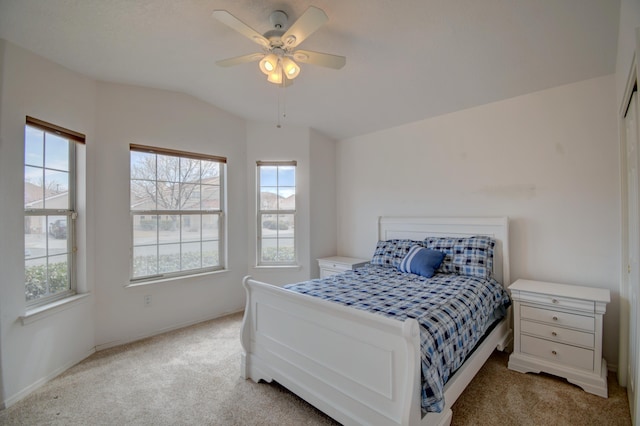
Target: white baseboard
[[115, 343], [32, 387]]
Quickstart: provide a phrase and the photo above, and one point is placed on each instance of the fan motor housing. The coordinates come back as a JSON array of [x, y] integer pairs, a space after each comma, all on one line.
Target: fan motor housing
[[278, 19]]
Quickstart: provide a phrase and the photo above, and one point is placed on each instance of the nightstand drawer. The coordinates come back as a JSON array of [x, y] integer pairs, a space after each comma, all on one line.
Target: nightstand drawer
[[563, 319], [558, 301], [327, 272], [557, 352], [334, 265], [559, 334]]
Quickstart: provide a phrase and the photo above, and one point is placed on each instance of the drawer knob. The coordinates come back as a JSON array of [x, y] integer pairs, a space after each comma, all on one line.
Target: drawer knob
[[555, 318], [554, 300], [553, 333], [554, 352]]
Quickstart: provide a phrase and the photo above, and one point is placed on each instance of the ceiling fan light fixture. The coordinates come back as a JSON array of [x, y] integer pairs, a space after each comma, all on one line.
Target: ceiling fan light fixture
[[269, 63], [276, 75], [290, 68]]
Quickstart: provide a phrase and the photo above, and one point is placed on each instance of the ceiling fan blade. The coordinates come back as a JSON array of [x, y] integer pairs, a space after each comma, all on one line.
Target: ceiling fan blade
[[321, 59], [307, 23], [233, 22], [240, 59]]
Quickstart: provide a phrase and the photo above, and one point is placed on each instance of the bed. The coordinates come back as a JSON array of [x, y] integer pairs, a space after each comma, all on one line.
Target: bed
[[361, 367]]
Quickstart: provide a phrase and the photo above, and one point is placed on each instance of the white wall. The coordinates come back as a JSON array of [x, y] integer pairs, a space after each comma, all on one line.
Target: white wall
[[130, 114], [547, 160], [30, 354], [323, 219]]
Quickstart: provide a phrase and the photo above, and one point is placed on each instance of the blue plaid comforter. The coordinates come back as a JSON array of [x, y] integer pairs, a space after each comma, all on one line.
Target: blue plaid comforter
[[453, 311]]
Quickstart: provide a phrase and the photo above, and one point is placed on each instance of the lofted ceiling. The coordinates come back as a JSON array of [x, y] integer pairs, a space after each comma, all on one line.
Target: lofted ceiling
[[406, 59]]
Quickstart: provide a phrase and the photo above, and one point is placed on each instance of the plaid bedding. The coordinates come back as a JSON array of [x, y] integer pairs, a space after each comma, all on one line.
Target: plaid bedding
[[453, 311]]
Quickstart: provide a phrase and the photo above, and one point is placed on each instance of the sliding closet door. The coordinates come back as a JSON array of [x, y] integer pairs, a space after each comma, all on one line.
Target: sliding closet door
[[633, 248]]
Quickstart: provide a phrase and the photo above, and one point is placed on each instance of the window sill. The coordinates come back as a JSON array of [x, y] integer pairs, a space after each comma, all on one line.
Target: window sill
[[141, 283], [36, 314], [277, 267]]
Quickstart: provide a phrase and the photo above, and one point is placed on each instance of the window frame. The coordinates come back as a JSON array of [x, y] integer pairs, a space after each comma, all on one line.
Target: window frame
[[220, 213], [73, 138], [260, 212]]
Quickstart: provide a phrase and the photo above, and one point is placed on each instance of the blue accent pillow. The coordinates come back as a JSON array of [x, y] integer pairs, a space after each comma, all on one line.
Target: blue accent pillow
[[421, 261]]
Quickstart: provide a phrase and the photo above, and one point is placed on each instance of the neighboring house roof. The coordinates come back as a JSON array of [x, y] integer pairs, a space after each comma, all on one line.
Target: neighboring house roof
[[34, 192], [54, 200], [268, 201]]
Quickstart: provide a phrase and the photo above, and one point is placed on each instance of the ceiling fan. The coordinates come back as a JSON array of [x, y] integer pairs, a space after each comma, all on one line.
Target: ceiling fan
[[279, 58]]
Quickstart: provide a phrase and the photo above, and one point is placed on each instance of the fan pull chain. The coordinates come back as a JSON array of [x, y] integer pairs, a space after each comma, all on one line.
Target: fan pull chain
[[280, 89], [284, 100], [278, 109]]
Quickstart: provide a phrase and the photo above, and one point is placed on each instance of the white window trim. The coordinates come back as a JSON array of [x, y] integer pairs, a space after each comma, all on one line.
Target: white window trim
[[40, 312], [278, 267], [221, 212], [259, 212], [141, 283], [51, 302]]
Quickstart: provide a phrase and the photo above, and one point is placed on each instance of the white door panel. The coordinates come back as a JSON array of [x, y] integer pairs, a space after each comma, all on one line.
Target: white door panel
[[633, 249]]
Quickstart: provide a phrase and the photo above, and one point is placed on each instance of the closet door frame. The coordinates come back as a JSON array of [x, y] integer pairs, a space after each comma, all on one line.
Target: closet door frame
[[628, 362]]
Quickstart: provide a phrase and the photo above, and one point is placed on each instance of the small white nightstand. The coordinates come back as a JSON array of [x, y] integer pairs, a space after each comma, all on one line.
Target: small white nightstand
[[337, 264], [558, 330]]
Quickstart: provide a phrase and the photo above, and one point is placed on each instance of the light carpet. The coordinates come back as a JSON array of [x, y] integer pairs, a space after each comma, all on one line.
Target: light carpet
[[191, 376]]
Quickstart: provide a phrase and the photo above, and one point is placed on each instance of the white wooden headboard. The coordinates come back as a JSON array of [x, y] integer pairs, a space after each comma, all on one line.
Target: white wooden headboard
[[418, 228]]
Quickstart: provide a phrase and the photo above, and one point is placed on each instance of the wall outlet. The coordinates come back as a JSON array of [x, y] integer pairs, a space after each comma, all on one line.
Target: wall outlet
[[147, 300]]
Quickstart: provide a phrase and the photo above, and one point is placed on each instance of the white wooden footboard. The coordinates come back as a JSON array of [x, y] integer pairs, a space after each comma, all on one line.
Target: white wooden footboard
[[358, 367]]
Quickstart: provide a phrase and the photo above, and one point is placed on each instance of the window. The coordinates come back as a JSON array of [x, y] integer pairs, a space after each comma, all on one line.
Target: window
[[177, 213], [49, 211], [276, 213]]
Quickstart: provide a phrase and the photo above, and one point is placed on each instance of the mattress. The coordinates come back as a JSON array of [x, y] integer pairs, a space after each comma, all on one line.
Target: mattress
[[454, 312]]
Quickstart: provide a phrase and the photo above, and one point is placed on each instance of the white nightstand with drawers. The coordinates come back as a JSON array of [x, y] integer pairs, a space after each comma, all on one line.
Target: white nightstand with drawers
[[337, 264], [558, 330]]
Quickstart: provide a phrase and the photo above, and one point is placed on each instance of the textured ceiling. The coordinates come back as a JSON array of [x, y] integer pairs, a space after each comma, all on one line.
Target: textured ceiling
[[406, 60]]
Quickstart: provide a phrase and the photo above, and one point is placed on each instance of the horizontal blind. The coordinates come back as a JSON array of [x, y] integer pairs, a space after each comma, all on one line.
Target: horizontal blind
[[277, 163], [176, 152], [60, 131]]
